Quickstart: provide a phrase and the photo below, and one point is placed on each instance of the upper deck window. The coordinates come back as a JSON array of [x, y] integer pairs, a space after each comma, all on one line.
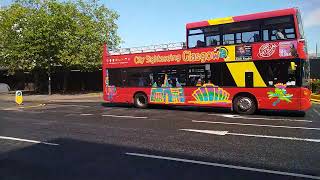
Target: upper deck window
[[270, 29], [242, 32], [202, 37], [228, 39], [278, 28], [213, 40], [196, 40], [212, 36], [195, 31], [300, 25]]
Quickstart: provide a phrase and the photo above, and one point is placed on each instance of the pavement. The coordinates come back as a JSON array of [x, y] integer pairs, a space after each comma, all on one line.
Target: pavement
[[94, 140], [8, 100], [315, 98], [85, 97]]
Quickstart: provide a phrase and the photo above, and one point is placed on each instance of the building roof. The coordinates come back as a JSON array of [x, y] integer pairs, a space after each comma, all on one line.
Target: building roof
[[314, 56]]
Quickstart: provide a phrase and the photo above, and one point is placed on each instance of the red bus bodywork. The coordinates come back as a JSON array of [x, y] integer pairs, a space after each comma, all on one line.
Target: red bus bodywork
[[271, 50]]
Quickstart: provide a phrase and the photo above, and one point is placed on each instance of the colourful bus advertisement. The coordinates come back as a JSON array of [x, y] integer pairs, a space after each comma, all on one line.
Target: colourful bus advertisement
[[246, 63]]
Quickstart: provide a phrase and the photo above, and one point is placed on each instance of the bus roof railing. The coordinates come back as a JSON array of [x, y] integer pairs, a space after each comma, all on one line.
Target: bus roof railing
[[151, 48]]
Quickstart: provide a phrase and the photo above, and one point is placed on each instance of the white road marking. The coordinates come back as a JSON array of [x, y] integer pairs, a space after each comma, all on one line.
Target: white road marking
[[224, 165], [67, 105], [258, 125], [71, 115], [12, 109], [86, 114], [254, 118], [316, 111], [27, 140], [220, 133], [74, 100], [107, 108], [134, 117], [223, 133], [23, 107], [42, 123]]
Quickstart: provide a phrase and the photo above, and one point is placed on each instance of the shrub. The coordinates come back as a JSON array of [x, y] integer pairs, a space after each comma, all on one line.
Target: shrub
[[315, 86]]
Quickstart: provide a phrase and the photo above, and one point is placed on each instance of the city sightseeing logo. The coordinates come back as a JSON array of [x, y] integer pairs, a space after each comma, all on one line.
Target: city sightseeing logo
[[267, 50], [186, 56]]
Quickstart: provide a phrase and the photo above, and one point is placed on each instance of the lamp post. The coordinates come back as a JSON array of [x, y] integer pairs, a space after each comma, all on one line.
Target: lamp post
[[316, 50], [49, 81], [49, 77]]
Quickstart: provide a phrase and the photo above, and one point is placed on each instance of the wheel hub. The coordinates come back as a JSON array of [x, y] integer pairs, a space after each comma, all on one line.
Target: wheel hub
[[141, 100], [245, 103]]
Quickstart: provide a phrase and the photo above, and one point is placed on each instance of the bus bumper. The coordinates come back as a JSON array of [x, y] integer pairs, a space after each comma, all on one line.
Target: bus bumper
[[305, 104]]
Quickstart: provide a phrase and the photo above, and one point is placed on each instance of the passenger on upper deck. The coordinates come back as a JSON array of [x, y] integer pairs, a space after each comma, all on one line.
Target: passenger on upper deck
[[200, 44], [256, 37], [280, 34]]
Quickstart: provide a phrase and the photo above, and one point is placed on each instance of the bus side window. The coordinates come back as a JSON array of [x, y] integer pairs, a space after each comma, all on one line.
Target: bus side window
[[278, 28], [196, 75], [181, 79], [228, 39], [158, 75], [138, 77], [196, 40], [280, 71], [292, 71], [115, 78]]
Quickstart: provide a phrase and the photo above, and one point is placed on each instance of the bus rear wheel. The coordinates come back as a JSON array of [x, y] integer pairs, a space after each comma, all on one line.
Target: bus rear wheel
[[141, 100], [244, 105]]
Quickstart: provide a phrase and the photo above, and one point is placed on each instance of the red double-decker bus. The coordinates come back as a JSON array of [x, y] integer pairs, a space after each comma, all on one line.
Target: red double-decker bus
[[247, 62]]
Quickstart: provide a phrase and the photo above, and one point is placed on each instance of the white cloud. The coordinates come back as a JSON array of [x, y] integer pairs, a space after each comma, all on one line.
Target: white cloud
[[312, 18]]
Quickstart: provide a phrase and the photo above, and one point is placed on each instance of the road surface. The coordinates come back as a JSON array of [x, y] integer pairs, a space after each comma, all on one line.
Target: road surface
[[95, 141]]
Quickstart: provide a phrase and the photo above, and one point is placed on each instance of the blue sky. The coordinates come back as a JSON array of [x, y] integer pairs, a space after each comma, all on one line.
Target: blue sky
[[146, 22]]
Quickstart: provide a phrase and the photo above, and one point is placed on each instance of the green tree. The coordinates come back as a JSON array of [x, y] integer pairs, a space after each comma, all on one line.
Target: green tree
[[43, 34]]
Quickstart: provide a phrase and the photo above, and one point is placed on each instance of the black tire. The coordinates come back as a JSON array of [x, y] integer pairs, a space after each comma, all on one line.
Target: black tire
[[141, 100], [244, 105], [301, 114]]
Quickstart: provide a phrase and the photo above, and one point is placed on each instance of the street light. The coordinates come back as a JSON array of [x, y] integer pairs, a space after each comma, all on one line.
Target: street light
[[49, 76]]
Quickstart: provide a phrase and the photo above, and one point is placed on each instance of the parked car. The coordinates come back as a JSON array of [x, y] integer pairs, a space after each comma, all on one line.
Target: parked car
[[4, 88]]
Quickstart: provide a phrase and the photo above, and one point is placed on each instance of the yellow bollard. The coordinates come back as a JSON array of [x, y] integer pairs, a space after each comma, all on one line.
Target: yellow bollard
[[19, 98]]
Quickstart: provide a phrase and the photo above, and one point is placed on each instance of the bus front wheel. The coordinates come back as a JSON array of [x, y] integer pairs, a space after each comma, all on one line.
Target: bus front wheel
[[141, 100], [244, 105]]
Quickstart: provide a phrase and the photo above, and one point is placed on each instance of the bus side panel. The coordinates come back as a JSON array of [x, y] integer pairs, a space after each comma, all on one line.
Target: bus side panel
[[305, 99], [268, 98], [207, 96], [126, 95], [280, 98]]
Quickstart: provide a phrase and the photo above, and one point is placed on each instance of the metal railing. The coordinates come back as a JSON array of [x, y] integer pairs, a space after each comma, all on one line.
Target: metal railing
[[151, 48]]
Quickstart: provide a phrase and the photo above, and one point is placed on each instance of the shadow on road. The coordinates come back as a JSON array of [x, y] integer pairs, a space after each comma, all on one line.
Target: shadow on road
[[74, 159], [209, 109]]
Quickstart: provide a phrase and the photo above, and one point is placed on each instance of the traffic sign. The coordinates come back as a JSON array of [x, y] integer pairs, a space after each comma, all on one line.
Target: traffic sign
[[19, 98]]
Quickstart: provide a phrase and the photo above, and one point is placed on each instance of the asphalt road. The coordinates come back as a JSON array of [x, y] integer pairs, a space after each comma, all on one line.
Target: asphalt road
[[95, 141]]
